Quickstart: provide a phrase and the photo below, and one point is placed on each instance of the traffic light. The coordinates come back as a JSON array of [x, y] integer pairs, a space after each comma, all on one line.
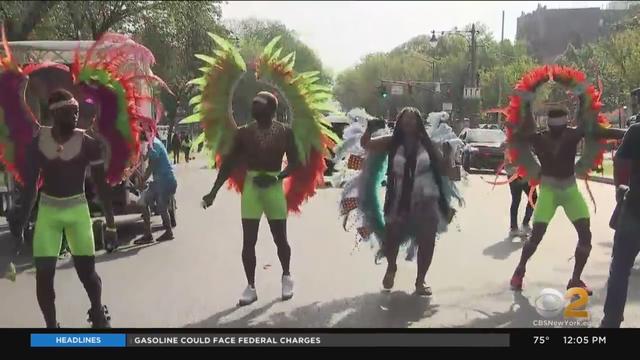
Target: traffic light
[[383, 91]]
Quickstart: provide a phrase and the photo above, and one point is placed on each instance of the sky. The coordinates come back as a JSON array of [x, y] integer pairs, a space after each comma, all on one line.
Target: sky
[[342, 32]]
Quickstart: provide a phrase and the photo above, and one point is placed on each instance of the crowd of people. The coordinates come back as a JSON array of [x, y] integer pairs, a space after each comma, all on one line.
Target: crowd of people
[[415, 160], [181, 143]]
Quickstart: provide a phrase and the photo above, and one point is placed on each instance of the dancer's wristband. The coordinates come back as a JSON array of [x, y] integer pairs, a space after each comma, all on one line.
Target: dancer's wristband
[[282, 175]]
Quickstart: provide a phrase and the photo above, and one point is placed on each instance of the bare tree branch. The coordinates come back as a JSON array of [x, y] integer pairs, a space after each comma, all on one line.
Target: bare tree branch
[[35, 12]]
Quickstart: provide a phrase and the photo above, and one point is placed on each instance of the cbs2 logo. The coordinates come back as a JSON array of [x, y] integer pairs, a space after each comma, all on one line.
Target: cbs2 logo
[[578, 300]]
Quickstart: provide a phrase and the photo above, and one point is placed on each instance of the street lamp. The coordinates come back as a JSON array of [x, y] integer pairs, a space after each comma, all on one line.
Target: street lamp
[[472, 79], [434, 40]]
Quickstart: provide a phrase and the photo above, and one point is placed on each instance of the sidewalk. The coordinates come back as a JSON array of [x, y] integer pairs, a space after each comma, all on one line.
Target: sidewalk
[[601, 179]]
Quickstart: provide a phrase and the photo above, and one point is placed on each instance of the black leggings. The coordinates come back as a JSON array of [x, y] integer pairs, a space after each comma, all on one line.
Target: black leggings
[[518, 187], [176, 155], [250, 238], [186, 154], [45, 273]]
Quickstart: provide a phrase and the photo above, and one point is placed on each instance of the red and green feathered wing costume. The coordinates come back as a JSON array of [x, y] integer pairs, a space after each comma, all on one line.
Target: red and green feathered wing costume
[[304, 98], [17, 123], [110, 77], [588, 118]]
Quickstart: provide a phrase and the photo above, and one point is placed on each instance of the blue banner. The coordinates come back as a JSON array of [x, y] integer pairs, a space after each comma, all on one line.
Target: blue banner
[[78, 340]]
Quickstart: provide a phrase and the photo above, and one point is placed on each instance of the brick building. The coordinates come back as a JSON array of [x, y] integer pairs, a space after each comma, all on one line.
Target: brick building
[[548, 32]]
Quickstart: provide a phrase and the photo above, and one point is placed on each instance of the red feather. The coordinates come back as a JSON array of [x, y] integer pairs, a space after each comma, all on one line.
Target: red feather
[[303, 182], [113, 53], [236, 179], [31, 68], [7, 50]]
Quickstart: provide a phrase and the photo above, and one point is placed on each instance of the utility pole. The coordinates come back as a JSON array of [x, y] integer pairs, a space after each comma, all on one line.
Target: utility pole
[[473, 105], [474, 50], [499, 77], [433, 71]]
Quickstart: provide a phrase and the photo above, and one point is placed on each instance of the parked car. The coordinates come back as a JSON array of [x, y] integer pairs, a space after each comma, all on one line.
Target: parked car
[[483, 148]]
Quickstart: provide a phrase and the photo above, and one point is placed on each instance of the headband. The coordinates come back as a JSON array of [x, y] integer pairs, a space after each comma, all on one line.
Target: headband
[[557, 121], [63, 103]]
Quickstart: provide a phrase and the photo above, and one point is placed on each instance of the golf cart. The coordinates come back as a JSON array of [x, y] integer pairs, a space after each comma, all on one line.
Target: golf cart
[[40, 85]]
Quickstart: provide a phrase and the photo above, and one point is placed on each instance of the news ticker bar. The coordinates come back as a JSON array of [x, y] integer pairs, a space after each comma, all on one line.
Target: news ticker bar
[[270, 340]]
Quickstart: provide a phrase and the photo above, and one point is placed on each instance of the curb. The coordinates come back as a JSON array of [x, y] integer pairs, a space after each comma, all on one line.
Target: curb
[[600, 179]]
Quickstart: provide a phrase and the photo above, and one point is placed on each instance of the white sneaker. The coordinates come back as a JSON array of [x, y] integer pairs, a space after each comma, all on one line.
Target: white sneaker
[[514, 233], [526, 230], [287, 287], [249, 296]]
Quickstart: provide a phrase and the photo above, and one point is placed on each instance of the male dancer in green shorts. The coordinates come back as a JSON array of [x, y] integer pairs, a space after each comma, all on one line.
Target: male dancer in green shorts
[[556, 150], [60, 155], [261, 145]]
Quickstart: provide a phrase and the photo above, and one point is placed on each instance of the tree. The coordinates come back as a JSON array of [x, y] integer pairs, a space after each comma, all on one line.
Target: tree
[[251, 36], [175, 31], [511, 62], [614, 62], [20, 18], [85, 20], [413, 60], [358, 87]]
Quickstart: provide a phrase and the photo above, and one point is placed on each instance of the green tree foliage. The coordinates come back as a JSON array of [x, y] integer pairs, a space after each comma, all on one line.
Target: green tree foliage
[[20, 18], [498, 64], [614, 61], [174, 32], [251, 36], [509, 63]]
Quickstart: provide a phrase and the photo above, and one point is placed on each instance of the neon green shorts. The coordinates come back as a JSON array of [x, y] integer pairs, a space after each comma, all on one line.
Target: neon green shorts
[[269, 201], [58, 214], [550, 197]]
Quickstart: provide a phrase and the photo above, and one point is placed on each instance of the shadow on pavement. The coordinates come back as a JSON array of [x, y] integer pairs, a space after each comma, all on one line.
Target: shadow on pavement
[[215, 320], [121, 252], [521, 314], [481, 171], [374, 310], [606, 244], [502, 249]]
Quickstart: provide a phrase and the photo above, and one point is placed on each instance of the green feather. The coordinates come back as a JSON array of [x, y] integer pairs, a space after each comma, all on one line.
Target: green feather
[[220, 53], [208, 59], [292, 62], [286, 59], [275, 55], [308, 74], [198, 81], [195, 100], [220, 41], [321, 88], [269, 48], [239, 61], [371, 203], [323, 107], [193, 118]]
